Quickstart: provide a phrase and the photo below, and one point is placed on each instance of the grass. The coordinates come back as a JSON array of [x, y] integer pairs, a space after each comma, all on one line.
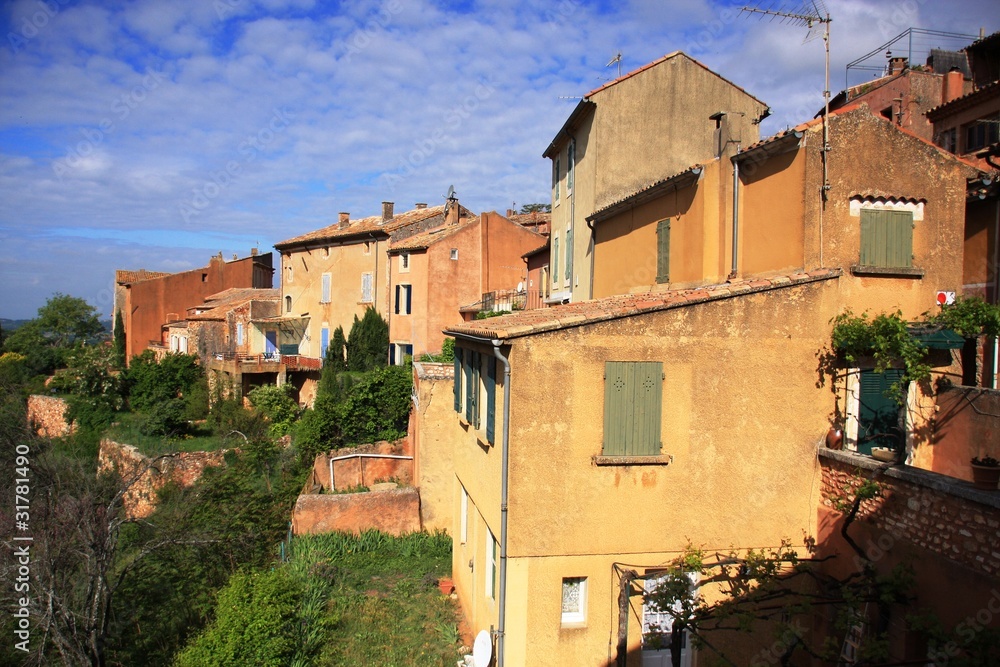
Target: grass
[[199, 438], [374, 599]]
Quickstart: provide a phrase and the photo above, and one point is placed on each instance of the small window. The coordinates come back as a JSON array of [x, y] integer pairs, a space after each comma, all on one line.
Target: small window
[[366, 287], [574, 600], [404, 299], [886, 238], [325, 298], [492, 554], [204, 277], [556, 176], [288, 271], [663, 251], [404, 262], [239, 333], [454, 253], [981, 133], [324, 341], [288, 304], [633, 397]]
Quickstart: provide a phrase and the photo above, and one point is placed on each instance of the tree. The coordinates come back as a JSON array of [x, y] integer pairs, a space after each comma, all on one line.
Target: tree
[[535, 208], [336, 353], [97, 391], [368, 342], [153, 382], [119, 338], [63, 322]]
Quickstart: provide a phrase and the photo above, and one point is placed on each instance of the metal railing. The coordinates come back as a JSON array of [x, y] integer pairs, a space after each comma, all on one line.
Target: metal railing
[[289, 360]]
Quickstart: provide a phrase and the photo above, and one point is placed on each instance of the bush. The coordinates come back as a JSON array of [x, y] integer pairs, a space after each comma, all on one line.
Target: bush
[[166, 418], [277, 405], [151, 382], [378, 406]]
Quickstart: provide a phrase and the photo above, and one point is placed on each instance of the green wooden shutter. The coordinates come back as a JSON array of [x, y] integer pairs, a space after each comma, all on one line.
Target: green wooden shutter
[[458, 380], [475, 390], [491, 398], [886, 238], [467, 368], [569, 254], [663, 251], [633, 398], [878, 413]]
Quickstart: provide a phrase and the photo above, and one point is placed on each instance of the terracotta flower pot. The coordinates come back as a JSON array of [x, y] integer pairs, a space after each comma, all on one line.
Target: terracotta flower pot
[[986, 477], [446, 585]]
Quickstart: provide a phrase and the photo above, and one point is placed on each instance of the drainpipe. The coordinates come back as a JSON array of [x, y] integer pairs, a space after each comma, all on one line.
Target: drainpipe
[[996, 290], [504, 452], [736, 210]]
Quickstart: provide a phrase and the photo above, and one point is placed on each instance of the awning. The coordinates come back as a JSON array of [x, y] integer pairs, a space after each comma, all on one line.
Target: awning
[[938, 339]]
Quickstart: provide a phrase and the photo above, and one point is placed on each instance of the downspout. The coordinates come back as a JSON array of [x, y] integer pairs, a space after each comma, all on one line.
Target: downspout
[[996, 289], [504, 453], [736, 211]]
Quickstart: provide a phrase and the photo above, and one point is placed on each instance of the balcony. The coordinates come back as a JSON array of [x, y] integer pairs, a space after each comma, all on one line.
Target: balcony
[[505, 301], [268, 362]]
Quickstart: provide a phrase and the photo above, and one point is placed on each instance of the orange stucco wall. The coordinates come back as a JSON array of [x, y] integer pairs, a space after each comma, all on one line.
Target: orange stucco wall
[[149, 304], [966, 424], [772, 217], [982, 257]]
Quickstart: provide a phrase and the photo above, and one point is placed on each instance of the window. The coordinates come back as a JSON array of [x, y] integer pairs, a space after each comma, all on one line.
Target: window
[[288, 304], [491, 564], [239, 333], [981, 133], [471, 372], [878, 411], [403, 350], [403, 299], [570, 163], [288, 270], [324, 341], [476, 374], [404, 262], [633, 397], [555, 260], [574, 600], [948, 140], [367, 281], [569, 255], [555, 178], [663, 251], [325, 298], [458, 380], [454, 253], [464, 517], [886, 238], [204, 277]]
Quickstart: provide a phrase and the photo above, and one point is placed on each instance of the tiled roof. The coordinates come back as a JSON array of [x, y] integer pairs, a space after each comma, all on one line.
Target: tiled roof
[[530, 322], [542, 248], [364, 226], [217, 305], [424, 240], [650, 191], [531, 219], [124, 276], [977, 95]]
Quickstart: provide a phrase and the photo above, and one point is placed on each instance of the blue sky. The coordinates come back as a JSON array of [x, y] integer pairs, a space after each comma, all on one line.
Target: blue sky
[[154, 134]]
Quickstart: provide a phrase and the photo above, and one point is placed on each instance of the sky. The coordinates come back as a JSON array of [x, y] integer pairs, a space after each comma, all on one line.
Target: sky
[[153, 134]]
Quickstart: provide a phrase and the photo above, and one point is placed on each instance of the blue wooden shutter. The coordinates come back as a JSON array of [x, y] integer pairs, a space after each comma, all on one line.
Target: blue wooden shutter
[[409, 299], [491, 398], [663, 251], [633, 397], [324, 341], [396, 310], [458, 380]]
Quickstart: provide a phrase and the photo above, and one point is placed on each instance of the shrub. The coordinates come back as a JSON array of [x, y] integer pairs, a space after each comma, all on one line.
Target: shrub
[[277, 405], [368, 342]]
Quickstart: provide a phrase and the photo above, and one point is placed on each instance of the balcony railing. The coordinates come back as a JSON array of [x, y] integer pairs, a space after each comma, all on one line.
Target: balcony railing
[[510, 300], [294, 361]]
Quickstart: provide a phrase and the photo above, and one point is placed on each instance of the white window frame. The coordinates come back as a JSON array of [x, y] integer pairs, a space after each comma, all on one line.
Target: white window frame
[[239, 333], [367, 296], [326, 287], [454, 254], [288, 304], [404, 262], [579, 616], [403, 296]]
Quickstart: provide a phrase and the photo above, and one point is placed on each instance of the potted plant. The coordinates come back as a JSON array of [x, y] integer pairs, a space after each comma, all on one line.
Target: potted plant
[[986, 472]]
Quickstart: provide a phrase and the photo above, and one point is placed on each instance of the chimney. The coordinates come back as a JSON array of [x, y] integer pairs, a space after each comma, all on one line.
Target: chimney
[[387, 211], [452, 212], [897, 65], [253, 252], [510, 212], [419, 205], [345, 220], [952, 85]]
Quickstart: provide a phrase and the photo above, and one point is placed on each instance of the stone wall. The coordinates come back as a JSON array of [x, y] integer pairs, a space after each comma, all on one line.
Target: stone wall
[[944, 516], [181, 468], [394, 511], [47, 415], [364, 470]]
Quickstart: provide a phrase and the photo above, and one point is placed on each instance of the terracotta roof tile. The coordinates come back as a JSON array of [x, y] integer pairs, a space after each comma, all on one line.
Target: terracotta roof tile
[[365, 226], [217, 305], [531, 219], [983, 92], [426, 239], [529, 322], [124, 276]]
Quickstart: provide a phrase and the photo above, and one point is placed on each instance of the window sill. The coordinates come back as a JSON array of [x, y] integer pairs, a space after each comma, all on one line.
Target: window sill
[[898, 271], [633, 460]]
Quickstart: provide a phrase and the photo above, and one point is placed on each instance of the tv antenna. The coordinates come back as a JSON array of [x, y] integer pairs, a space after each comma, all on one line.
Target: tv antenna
[[813, 15], [616, 59]]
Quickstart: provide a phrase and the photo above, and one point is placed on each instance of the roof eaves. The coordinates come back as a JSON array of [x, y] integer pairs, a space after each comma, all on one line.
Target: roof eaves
[[684, 179], [584, 107]]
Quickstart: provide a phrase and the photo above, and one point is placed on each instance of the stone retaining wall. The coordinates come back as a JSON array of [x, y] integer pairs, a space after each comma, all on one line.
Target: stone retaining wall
[[394, 511], [47, 415]]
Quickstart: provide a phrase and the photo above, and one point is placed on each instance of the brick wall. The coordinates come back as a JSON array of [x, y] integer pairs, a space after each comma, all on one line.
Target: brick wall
[[46, 414], [394, 511], [182, 468], [945, 516]]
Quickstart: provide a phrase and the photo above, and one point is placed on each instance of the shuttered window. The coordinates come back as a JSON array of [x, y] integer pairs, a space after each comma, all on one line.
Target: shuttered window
[[366, 288], [886, 238], [878, 411], [471, 364], [633, 398], [569, 255], [491, 398], [326, 289], [458, 380], [663, 251]]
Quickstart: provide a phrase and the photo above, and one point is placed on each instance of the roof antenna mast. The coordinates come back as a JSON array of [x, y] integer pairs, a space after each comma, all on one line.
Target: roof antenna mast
[[814, 15], [616, 59]]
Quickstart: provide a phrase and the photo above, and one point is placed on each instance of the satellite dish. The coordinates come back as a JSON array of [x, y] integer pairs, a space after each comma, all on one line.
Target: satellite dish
[[482, 649], [520, 287], [451, 192]]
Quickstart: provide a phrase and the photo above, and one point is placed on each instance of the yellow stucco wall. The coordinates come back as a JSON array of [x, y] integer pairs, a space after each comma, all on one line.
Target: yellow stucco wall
[[772, 221], [301, 278]]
